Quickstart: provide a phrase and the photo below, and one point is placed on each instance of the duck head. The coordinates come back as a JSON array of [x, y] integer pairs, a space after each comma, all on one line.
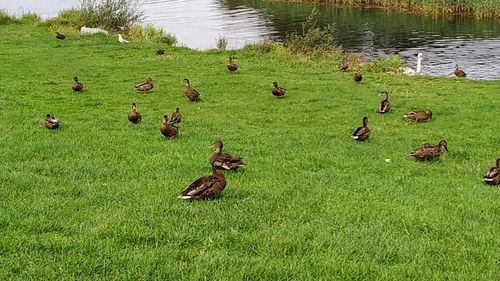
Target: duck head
[[429, 113], [498, 163], [365, 121], [186, 82], [75, 79], [443, 144], [218, 145], [275, 84], [165, 118]]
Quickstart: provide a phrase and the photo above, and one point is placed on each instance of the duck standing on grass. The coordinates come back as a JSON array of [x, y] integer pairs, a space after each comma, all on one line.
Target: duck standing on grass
[[175, 118], [458, 72], [385, 105], [343, 66], [492, 177], [222, 160], [190, 92], [357, 77], [418, 115], [77, 86], [60, 36], [207, 187], [160, 52], [146, 86], [168, 129], [278, 91], [134, 116], [430, 151], [51, 122], [231, 66], [362, 133]]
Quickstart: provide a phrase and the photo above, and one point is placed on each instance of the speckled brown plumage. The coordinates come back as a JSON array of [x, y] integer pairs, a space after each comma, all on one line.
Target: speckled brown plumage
[[458, 72], [385, 105], [430, 151], [77, 86], [146, 86], [231, 66], [222, 160], [343, 66], [134, 116], [357, 77], [419, 115], [363, 132], [190, 92], [492, 177], [278, 91], [168, 129], [176, 117], [206, 187], [51, 122]]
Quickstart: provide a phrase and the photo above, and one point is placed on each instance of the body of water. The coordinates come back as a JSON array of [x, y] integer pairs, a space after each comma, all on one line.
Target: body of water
[[444, 42]]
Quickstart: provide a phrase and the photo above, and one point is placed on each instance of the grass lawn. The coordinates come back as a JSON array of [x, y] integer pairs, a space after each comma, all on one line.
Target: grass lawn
[[97, 198]]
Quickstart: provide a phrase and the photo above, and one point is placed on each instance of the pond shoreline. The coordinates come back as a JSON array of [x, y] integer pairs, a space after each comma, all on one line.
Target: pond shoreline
[[474, 10]]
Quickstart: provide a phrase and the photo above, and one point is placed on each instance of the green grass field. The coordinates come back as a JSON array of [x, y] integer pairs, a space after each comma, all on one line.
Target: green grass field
[[97, 198]]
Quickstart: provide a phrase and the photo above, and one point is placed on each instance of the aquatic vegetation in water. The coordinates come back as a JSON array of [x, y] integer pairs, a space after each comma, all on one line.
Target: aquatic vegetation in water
[[476, 8], [311, 40]]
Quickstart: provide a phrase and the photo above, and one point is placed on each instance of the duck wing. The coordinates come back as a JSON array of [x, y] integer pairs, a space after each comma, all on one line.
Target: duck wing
[[361, 133], [227, 161], [493, 172], [144, 87], [192, 94], [204, 187], [384, 107], [175, 118]]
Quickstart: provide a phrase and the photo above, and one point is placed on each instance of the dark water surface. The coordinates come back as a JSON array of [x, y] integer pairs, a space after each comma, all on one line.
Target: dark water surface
[[474, 45]]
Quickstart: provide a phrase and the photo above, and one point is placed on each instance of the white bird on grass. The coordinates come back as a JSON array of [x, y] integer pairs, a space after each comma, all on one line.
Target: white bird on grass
[[121, 40]]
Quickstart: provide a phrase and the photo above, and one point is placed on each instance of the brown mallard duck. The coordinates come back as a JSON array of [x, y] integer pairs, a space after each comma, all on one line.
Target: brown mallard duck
[[357, 77], [385, 105], [343, 66], [134, 116], [231, 66], [190, 92], [458, 72], [51, 122], [430, 151], [77, 86], [175, 118], [206, 187], [222, 160], [278, 91], [419, 115], [160, 52], [492, 177], [168, 129], [60, 36], [363, 132], [146, 86]]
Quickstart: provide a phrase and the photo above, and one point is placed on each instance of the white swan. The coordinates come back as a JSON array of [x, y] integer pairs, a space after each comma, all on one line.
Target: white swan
[[121, 40], [410, 71]]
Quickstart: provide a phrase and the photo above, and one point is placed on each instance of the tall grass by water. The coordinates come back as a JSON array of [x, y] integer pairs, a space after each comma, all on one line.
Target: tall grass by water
[[97, 198], [476, 8]]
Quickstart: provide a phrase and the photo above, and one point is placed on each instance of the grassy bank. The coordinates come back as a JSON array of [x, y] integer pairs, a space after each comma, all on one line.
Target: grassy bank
[[97, 198], [475, 8]]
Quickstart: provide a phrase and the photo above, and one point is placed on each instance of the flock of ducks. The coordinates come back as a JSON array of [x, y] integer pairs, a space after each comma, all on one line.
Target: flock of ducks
[[211, 186]]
